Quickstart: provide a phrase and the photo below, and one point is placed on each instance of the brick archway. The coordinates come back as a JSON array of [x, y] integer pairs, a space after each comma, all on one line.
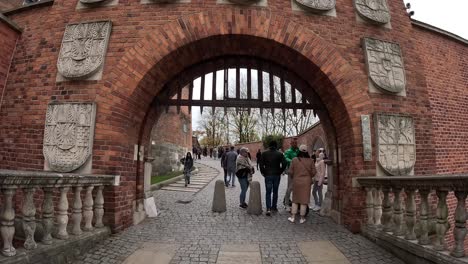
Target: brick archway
[[161, 54]]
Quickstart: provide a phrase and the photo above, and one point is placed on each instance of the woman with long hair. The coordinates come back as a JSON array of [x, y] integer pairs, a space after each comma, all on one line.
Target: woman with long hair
[[244, 171], [302, 171], [188, 164]]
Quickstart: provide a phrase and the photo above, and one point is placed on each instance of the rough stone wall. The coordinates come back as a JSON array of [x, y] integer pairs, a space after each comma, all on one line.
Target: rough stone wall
[[169, 141], [151, 44]]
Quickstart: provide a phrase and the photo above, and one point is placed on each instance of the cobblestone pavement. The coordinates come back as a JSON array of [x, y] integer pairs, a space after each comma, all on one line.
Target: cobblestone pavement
[[199, 234]]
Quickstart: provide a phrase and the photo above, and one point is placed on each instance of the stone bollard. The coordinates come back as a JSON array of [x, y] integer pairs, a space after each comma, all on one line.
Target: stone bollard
[[255, 199], [219, 197]]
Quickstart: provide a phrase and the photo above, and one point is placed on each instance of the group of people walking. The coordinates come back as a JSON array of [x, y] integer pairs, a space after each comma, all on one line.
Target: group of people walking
[[303, 171]]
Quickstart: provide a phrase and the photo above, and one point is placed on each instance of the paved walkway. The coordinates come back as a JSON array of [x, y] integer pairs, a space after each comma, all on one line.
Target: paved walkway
[[186, 231], [198, 181]]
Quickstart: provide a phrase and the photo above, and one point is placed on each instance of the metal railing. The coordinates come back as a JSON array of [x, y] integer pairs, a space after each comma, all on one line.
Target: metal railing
[[30, 182]]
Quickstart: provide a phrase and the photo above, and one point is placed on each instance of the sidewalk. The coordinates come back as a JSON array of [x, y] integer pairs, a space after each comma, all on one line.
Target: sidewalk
[[186, 231]]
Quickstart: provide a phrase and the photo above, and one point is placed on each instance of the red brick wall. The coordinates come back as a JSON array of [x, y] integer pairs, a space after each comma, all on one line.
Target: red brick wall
[[151, 44], [308, 137]]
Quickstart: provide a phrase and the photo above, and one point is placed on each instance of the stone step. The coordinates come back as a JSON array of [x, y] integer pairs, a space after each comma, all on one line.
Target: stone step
[[180, 189], [199, 186]]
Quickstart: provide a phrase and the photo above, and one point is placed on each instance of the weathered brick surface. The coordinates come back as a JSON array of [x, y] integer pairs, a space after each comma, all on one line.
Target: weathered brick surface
[[151, 44]]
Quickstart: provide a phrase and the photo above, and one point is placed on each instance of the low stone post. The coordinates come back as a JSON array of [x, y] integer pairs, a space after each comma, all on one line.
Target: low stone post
[[62, 214], [387, 210], [397, 213], [99, 207], [77, 210], [219, 197], [369, 206], [410, 217], [424, 217], [377, 197], [255, 199], [88, 209]]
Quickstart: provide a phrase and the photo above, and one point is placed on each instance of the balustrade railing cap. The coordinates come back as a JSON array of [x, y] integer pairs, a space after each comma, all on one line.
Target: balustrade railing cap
[[17, 178], [440, 182]]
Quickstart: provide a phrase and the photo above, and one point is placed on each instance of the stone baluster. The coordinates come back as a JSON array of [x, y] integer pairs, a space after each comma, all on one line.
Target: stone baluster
[[62, 214], [99, 207], [459, 232], [369, 206], [47, 215], [397, 214], [7, 223], [76, 215], [377, 207], [441, 226], [29, 218], [387, 210], [410, 217], [88, 209], [424, 218]]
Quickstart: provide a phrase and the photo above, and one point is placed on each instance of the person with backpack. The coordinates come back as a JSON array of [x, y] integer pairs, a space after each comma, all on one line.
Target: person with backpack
[[188, 164], [244, 172], [302, 172]]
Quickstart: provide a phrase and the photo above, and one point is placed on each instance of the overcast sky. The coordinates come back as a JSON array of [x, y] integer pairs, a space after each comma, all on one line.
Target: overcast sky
[[449, 15]]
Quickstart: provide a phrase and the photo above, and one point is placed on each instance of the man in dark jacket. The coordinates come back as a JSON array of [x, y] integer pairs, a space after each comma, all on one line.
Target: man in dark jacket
[[272, 166]]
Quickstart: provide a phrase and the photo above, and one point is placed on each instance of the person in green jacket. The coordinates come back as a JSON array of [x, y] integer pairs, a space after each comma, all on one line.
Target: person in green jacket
[[290, 154]]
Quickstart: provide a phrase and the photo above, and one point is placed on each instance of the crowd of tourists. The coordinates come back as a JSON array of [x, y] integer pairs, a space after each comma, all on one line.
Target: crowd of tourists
[[305, 174]]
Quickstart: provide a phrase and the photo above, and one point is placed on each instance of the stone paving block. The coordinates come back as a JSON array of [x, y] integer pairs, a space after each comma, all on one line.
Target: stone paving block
[[322, 252]]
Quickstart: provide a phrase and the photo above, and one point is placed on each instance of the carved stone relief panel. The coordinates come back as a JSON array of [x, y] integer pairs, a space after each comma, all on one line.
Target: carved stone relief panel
[[92, 1], [396, 143], [68, 135], [244, 2], [317, 5], [366, 137], [83, 50], [385, 65], [373, 10], [86, 4]]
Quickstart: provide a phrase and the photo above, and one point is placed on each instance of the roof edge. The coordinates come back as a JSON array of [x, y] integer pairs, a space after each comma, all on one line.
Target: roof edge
[[438, 30]]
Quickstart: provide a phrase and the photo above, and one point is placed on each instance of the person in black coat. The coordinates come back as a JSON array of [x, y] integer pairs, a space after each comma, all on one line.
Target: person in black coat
[[188, 164]]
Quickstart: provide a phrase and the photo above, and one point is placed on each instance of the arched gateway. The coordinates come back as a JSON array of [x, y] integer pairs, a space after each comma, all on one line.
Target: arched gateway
[[153, 62], [371, 71]]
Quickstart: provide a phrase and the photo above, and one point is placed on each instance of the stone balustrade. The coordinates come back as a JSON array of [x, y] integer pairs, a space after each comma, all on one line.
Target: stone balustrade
[[389, 216], [82, 213]]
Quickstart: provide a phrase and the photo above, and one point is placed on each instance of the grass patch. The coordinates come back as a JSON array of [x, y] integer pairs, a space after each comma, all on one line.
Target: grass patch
[[159, 178]]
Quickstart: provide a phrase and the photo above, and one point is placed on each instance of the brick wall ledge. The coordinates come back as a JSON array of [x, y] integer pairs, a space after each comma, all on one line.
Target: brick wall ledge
[[10, 23], [28, 7], [409, 251], [438, 30]]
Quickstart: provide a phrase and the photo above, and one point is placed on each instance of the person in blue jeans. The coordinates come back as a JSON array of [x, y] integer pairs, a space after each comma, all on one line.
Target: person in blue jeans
[[272, 165], [244, 171]]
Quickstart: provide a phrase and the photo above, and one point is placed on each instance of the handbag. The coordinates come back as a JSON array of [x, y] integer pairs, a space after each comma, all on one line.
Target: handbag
[[242, 173]]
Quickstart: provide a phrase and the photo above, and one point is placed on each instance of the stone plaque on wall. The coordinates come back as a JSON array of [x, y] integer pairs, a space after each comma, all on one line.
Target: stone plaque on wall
[[83, 49], [317, 5], [244, 2], [68, 135], [366, 137], [396, 143], [373, 10], [385, 65]]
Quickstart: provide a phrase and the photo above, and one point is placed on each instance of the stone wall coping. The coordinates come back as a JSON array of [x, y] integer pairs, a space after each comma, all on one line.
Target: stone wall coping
[[438, 30], [17, 178], [16, 10], [10, 23], [452, 182]]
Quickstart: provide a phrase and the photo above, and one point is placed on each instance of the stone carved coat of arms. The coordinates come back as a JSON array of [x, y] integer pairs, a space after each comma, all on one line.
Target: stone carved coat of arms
[[83, 49], [396, 144], [318, 5], [244, 2], [68, 135], [385, 65], [373, 10]]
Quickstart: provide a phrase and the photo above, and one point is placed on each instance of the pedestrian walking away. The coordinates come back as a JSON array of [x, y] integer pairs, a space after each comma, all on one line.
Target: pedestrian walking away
[[231, 158], [302, 172], [318, 181], [272, 166], [290, 154], [188, 164], [244, 172]]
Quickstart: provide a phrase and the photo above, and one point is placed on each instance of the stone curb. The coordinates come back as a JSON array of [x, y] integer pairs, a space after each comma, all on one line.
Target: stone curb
[[158, 186]]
